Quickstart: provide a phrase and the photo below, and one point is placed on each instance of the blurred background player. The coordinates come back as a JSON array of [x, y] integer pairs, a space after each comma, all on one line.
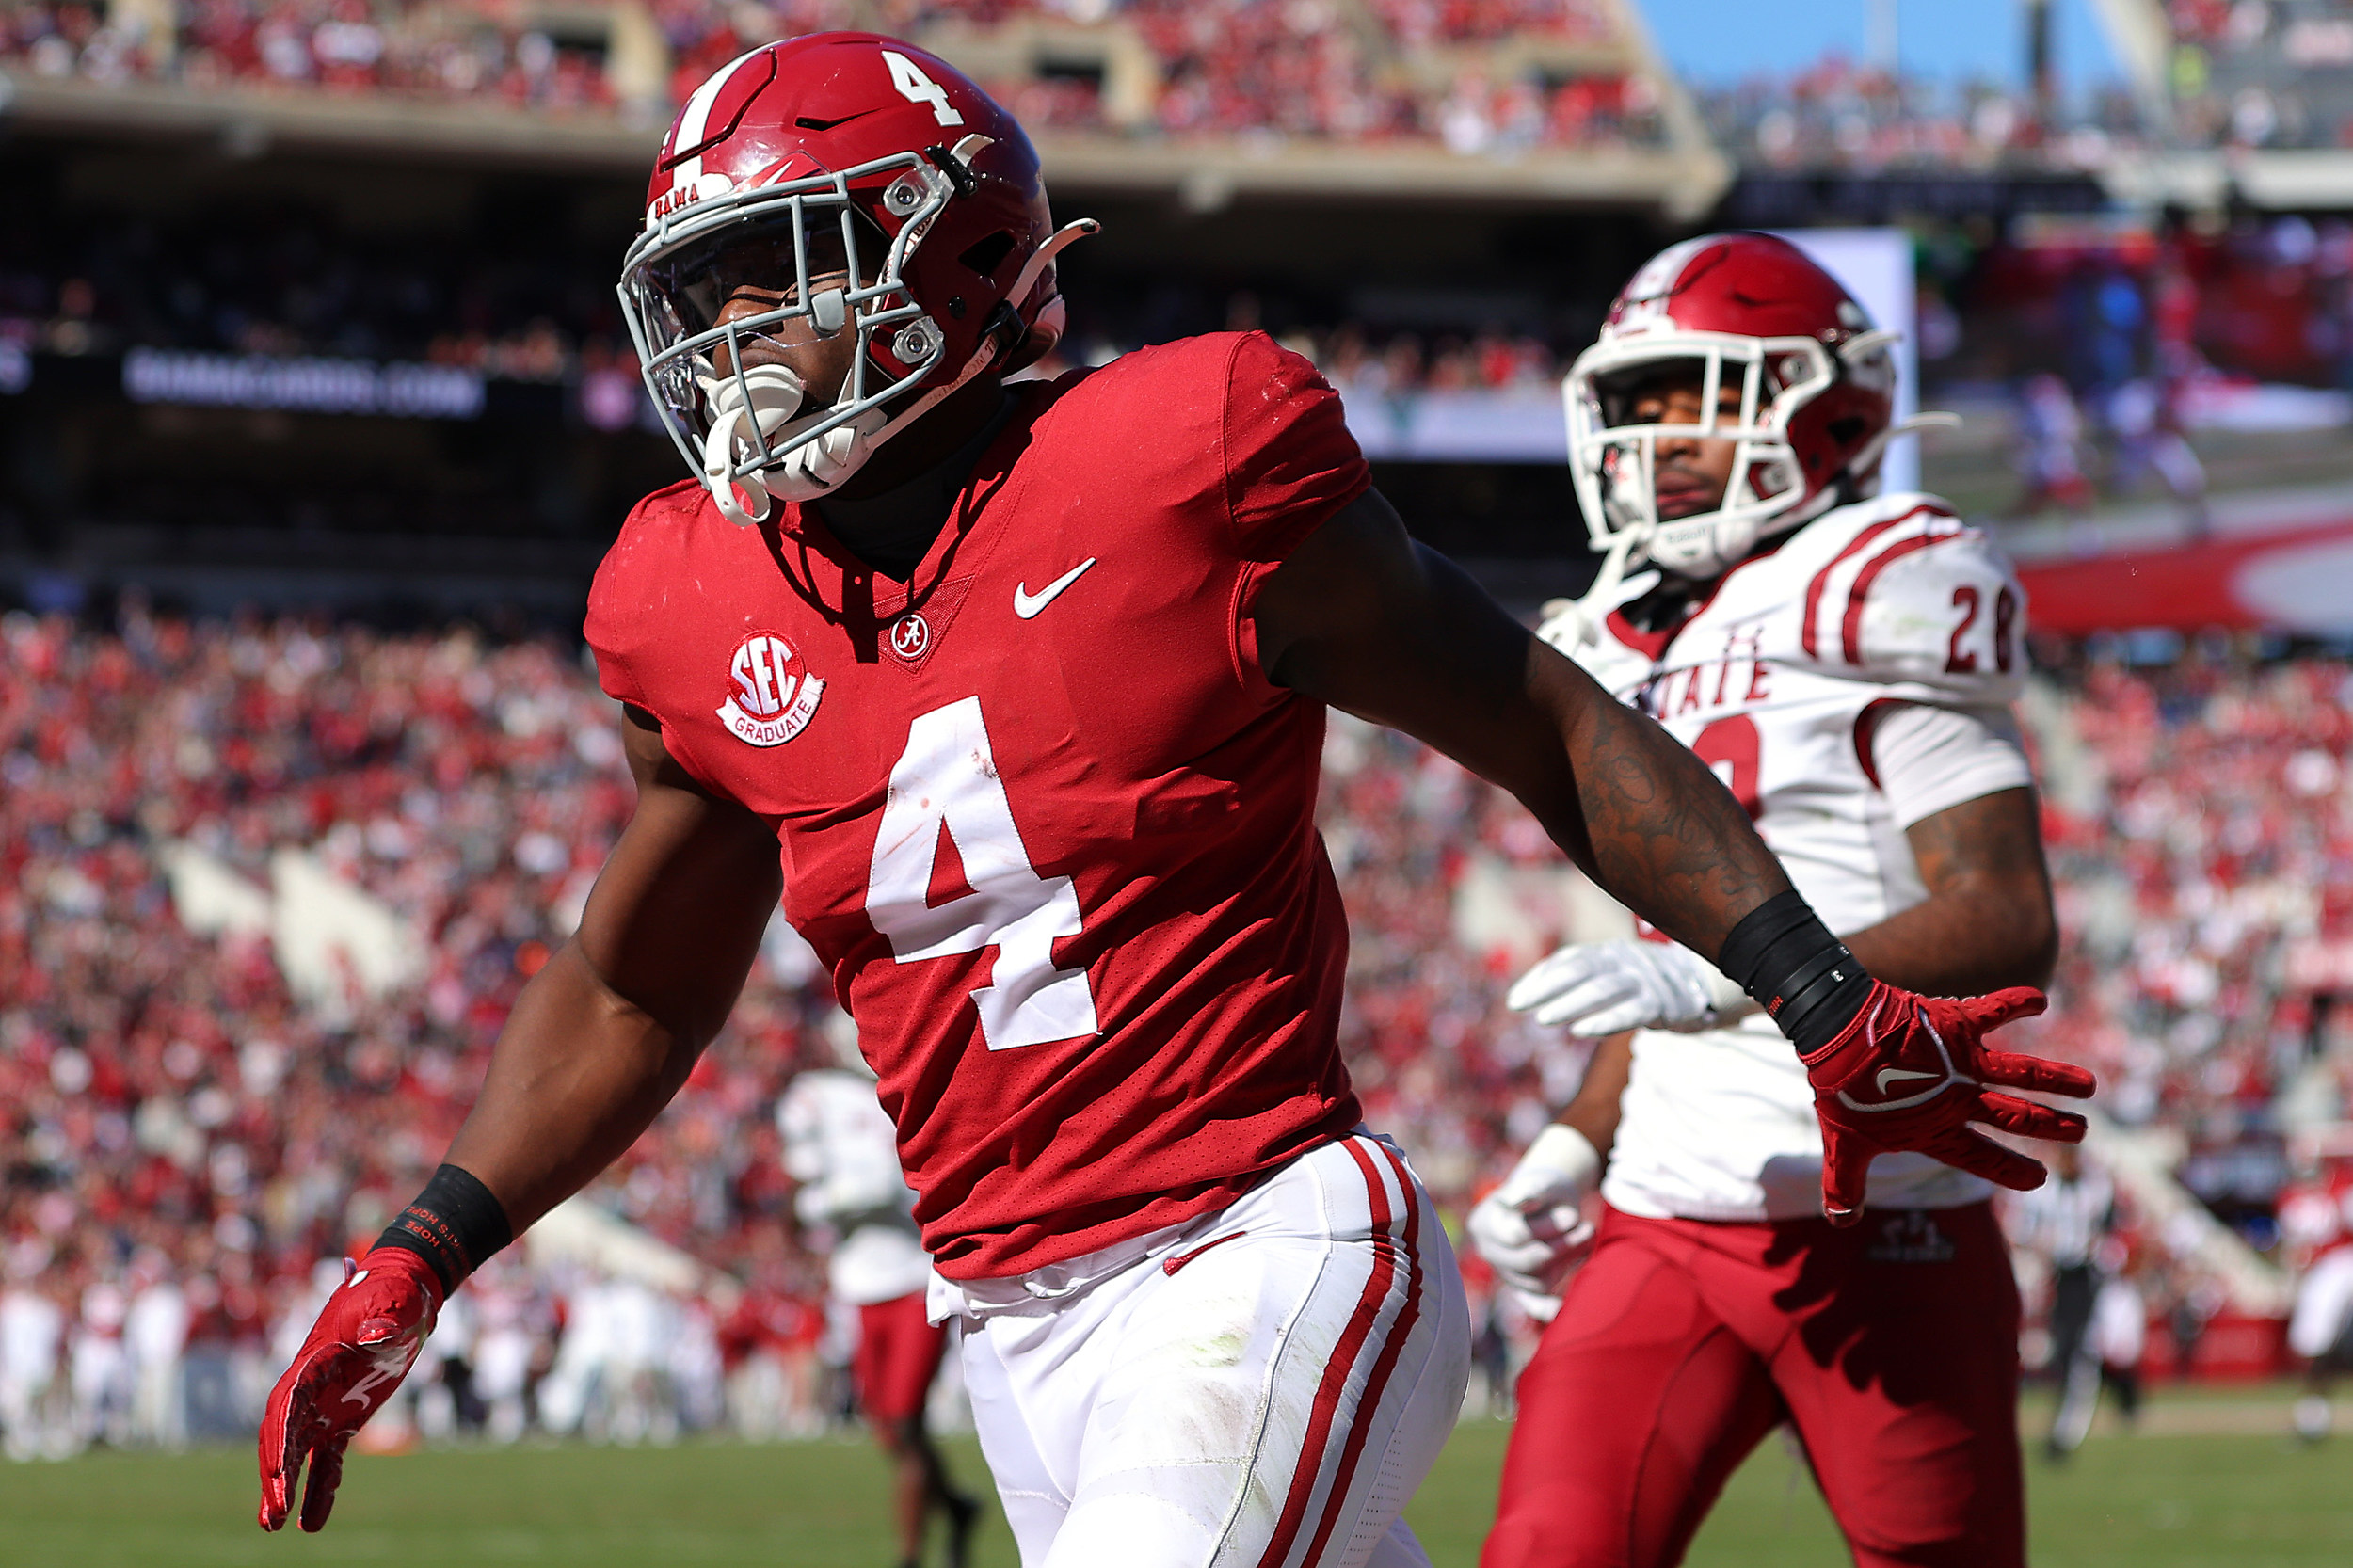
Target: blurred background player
[[838, 1144], [2316, 1222], [1075, 901], [2050, 450], [36, 1402], [2144, 415], [2067, 1222], [1844, 659]]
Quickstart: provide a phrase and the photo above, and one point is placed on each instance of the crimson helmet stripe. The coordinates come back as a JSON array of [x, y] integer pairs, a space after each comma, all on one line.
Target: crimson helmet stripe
[[1662, 274]]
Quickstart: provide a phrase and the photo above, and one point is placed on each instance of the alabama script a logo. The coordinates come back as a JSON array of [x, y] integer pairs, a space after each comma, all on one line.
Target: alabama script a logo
[[775, 695]]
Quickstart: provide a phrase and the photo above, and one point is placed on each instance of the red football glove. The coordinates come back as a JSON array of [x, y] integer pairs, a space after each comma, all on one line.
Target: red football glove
[[1910, 1073], [365, 1340]]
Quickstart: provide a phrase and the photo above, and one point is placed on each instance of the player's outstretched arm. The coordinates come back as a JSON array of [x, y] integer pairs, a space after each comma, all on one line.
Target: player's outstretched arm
[[1361, 616], [1987, 922], [597, 1044], [603, 1037], [1368, 621]]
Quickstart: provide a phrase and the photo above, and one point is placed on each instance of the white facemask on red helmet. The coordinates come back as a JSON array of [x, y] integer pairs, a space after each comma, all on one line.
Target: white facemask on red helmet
[[834, 154], [1750, 313]]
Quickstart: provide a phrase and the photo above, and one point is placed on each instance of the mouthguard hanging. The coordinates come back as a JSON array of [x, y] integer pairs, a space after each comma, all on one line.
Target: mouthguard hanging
[[743, 426]]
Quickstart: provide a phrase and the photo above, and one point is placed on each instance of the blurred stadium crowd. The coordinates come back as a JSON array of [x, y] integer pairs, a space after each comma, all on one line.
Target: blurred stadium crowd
[[1477, 76], [2202, 896], [192, 1149], [1321, 70], [285, 284], [1841, 115]]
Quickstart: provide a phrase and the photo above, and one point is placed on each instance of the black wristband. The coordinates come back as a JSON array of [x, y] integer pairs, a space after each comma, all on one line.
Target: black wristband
[[1782, 955], [454, 1225]]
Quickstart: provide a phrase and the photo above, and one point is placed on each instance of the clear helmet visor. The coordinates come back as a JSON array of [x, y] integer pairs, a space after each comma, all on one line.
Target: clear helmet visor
[[781, 275], [766, 261], [714, 290]]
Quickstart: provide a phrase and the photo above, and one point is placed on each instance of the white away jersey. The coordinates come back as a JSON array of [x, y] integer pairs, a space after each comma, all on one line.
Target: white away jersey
[[839, 1145], [1776, 679]]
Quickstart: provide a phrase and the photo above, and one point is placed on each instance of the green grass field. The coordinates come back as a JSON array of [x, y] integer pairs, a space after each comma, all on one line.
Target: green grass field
[[2148, 1502]]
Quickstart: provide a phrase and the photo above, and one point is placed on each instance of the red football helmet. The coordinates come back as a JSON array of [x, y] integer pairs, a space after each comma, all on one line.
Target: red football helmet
[[835, 152], [1817, 399]]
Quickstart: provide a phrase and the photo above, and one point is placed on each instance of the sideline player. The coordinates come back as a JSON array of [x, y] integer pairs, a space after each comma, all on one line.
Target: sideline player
[[1844, 660], [2071, 1221], [842, 1149], [1020, 714], [2316, 1217]]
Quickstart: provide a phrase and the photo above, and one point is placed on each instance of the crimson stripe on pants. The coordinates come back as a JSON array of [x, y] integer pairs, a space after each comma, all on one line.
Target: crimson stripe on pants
[[1335, 1382], [1368, 1406]]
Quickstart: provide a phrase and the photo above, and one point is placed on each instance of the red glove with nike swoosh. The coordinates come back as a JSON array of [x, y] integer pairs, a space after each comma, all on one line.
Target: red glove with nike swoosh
[[364, 1342], [1911, 1072]]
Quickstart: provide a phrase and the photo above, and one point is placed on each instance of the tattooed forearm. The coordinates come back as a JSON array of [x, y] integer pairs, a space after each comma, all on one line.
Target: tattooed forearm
[[1663, 834]]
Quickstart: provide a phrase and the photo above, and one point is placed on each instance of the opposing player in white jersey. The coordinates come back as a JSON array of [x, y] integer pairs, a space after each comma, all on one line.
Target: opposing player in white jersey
[[1844, 660], [2316, 1222], [838, 1144]]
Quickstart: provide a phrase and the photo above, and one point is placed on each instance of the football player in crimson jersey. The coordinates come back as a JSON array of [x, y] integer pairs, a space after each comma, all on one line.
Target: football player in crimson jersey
[[1845, 660], [1015, 694]]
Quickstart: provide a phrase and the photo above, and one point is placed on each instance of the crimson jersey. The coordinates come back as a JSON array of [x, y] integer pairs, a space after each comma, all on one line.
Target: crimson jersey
[[1040, 813]]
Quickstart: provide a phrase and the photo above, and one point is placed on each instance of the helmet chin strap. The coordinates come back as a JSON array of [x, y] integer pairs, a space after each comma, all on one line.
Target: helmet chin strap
[[815, 466], [1594, 608]]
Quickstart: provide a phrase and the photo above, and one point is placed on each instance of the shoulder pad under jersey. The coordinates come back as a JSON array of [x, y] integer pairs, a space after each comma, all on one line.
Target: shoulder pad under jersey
[[1900, 592]]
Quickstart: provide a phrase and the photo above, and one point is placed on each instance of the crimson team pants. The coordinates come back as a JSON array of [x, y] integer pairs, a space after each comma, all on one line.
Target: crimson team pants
[[899, 1352], [1892, 1348]]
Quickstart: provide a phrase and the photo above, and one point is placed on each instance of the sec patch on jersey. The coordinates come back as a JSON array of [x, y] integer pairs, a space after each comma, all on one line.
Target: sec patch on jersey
[[775, 695]]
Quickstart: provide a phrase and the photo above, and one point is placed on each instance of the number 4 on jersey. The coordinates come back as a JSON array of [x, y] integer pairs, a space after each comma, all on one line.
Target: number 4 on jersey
[[947, 778]]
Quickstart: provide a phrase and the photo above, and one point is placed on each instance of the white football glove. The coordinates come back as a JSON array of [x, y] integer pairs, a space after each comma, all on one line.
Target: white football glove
[[1599, 988], [1532, 1226]]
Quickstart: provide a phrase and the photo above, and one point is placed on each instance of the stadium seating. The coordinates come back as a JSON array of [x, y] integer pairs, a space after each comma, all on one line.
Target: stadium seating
[[2256, 76], [1477, 74]]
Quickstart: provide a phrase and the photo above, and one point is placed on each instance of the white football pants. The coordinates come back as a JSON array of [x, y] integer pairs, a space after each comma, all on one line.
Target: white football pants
[[1263, 1387], [2324, 1305]]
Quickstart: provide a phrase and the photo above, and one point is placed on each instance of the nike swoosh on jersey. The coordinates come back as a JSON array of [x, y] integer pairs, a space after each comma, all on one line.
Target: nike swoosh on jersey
[[1027, 604], [1890, 1075]]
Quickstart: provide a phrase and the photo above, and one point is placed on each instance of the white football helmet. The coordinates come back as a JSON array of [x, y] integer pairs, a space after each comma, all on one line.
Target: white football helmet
[[1816, 387]]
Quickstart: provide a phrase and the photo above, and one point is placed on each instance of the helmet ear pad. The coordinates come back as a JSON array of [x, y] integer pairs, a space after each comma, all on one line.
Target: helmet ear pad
[[975, 250], [1837, 426]]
